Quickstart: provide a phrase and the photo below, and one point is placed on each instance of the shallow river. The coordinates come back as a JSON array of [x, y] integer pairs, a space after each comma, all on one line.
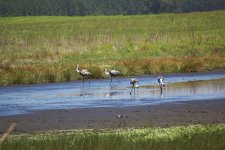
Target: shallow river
[[22, 99]]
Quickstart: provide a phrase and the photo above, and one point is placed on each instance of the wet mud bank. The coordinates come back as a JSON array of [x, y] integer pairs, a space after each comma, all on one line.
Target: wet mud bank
[[160, 115]]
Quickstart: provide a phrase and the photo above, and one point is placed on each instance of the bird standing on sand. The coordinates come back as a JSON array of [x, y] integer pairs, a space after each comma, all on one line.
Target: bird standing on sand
[[113, 73], [134, 83], [161, 82], [84, 73]]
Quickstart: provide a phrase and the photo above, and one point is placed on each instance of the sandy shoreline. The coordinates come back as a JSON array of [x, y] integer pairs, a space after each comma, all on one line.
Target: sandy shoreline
[[163, 115]]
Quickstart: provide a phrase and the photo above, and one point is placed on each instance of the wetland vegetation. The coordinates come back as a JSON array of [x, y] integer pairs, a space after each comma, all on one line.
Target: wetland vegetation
[[181, 137], [47, 48]]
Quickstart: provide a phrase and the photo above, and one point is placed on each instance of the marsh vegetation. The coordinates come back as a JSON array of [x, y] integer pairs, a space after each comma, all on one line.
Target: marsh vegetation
[[181, 137], [47, 49]]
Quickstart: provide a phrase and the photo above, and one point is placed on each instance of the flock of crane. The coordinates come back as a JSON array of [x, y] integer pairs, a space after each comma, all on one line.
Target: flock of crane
[[114, 73]]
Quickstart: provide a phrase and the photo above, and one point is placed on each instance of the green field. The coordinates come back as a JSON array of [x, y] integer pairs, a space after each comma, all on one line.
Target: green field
[[47, 49], [196, 137]]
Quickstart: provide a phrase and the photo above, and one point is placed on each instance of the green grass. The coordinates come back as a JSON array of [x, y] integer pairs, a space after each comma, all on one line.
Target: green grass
[[196, 137], [47, 49]]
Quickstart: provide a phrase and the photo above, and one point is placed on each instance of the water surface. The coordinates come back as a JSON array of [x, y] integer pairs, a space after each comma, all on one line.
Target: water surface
[[23, 99]]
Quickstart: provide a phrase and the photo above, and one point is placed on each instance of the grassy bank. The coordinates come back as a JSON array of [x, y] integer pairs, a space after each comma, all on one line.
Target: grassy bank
[[46, 49], [189, 137]]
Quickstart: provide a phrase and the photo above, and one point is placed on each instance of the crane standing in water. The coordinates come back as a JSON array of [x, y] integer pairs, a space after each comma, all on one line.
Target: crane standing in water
[[161, 82], [113, 73], [84, 73], [134, 83]]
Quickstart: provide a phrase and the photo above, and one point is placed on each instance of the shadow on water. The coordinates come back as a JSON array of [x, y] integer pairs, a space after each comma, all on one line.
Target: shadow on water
[[28, 98]]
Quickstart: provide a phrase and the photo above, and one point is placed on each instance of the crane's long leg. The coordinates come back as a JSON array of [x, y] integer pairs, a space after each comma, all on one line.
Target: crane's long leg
[[111, 80], [161, 89], [83, 79], [131, 90]]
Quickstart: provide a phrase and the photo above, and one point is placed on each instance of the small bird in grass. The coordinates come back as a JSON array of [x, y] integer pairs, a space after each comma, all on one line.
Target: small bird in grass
[[161, 82], [134, 83], [119, 116], [113, 73], [84, 73]]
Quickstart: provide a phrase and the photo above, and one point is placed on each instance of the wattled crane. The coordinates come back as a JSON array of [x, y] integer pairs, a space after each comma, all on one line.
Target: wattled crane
[[161, 82], [134, 83], [113, 73], [84, 73]]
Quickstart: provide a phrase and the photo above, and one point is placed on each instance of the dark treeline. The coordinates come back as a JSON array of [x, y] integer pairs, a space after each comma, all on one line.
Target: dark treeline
[[104, 7]]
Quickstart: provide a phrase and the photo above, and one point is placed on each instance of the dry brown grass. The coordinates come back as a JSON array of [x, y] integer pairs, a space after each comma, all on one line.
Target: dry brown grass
[[172, 64]]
